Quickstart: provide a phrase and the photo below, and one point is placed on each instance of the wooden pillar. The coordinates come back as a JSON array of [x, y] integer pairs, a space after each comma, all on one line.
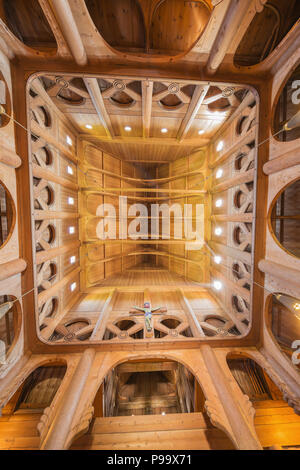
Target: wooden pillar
[[242, 426], [199, 398], [98, 403], [60, 427]]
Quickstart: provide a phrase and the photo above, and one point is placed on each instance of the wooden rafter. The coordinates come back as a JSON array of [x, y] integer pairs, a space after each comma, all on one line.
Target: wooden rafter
[[96, 97], [195, 103], [147, 91]]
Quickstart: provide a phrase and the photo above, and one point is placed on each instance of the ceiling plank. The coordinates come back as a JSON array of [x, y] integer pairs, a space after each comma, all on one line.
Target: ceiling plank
[[147, 92], [196, 101], [96, 97], [198, 141]]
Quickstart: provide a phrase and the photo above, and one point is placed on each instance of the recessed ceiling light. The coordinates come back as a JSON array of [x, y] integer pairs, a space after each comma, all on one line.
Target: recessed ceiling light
[[164, 130], [217, 259], [69, 140], [218, 285], [201, 132], [218, 231], [71, 230], [73, 286], [219, 173], [219, 202], [70, 170], [127, 128], [88, 126], [70, 201], [220, 146], [72, 259]]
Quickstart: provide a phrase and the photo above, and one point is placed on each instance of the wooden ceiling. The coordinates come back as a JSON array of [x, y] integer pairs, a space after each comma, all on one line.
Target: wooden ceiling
[[267, 30], [150, 26], [190, 112]]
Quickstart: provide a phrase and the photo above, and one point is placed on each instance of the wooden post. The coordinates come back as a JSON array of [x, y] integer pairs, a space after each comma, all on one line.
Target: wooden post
[[239, 419], [60, 427]]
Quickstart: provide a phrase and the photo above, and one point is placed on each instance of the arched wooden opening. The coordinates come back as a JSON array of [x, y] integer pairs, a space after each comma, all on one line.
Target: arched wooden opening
[[10, 325], [5, 102], [170, 18], [252, 379], [283, 319], [120, 23], [275, 422], [27, 22], [7, 215], [266, 31], [284, 218], [38, 391], [286, 106], [155, 404]]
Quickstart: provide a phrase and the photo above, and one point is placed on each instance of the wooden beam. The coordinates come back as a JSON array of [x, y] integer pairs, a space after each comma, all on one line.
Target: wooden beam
[[288, 276], [132, 367], [232, 20], [11, 268], [45, 135], [245, 140], [96, 97], [47, 175], [287, 160], [194, 106], [233, 217], [147, 91], [49, 215], [191, 316], [154, 190], [46, 294], [9, 157], [234, 287], [236, 180], [100, 326], [230, 251], [230, 314], [69, 30], [198, 141], [43, 256]]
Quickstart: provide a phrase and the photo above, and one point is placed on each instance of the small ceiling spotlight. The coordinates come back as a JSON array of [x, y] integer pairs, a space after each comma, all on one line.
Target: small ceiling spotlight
[[88, 126], [219, 173], [218, 231], [164, 130], [73, 259], [220, 146], [70, 170], [219, 202], [218, 285], [127, 128], [217, 259], [201, 132], [71, 201], [69, 140], [73, 286], [71, 230]]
